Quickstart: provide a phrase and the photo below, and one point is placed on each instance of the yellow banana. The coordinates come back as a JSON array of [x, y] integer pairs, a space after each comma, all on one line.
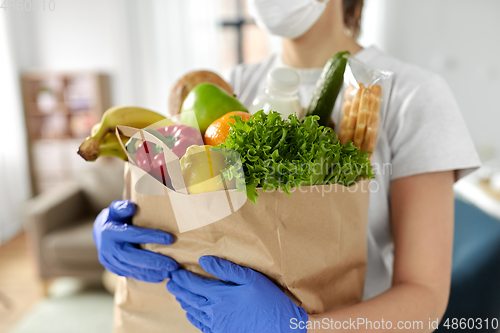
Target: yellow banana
[[94, 129], [119, 115], [110, 146]]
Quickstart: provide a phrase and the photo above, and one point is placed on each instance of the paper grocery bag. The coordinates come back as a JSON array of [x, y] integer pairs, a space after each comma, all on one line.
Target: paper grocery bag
[[210, 207], [312, 244]]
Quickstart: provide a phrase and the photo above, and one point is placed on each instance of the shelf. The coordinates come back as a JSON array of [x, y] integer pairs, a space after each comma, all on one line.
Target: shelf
[[60, 108], [75, 102], [55, 114]]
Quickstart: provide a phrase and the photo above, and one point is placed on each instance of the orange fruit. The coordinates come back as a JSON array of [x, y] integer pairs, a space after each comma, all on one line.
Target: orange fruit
[[218, 131]]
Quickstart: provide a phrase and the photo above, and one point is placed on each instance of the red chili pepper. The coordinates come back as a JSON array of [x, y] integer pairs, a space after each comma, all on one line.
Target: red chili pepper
[[153, 163]]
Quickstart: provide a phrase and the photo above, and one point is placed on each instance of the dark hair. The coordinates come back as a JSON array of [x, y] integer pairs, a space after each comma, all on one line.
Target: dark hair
[[350, 7]]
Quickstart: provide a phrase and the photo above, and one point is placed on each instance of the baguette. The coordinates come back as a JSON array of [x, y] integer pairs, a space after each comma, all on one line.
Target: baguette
[[348, 130], [345, 111], [363, 115], [371, 131]]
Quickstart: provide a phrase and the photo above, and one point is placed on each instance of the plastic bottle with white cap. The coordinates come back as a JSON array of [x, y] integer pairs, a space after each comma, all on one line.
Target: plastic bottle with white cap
[[282, 85]]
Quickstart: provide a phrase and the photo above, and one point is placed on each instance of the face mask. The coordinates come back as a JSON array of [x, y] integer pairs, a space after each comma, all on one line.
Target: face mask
[[286, 18]]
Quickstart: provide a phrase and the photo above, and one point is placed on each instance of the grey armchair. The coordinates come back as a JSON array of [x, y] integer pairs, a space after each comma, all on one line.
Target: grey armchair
[[58, 223]]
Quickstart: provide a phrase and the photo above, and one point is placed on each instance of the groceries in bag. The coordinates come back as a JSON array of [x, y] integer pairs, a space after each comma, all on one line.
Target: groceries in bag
[[150, 157], [201, 168], [283, 154], [311, 194], [205, 103], [282, 85], [90, 149], [360, 116], [327, 88], [364, 101], [186, 83], [218, 131]]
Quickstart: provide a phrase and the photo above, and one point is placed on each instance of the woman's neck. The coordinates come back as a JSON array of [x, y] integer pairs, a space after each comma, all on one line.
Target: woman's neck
[[314, 54], [325, 38]]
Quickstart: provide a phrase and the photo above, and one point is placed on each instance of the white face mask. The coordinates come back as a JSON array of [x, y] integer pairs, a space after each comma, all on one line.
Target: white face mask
[[286, 18]]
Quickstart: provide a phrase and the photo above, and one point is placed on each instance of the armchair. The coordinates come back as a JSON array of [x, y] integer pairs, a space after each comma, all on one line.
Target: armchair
[[59, 223]]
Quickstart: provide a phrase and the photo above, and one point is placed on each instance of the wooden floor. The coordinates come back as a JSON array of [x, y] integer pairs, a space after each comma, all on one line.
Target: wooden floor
[[19, 286]]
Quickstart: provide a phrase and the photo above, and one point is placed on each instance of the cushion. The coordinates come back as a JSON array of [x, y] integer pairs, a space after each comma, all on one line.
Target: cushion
[[71, 246], [102, 184], [475, 291]]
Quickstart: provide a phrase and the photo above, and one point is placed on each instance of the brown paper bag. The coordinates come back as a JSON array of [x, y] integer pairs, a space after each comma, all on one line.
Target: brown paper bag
[[312, 244]]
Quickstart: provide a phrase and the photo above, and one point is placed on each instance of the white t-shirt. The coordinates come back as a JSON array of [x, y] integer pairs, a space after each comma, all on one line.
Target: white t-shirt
[[423, 132]]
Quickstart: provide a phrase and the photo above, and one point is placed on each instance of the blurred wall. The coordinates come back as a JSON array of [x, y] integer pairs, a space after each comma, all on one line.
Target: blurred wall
[[14, 177], [458, 39], [144, 45]]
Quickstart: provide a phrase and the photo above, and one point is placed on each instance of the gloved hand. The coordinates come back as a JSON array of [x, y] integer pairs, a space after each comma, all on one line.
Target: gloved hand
[[247, 302], [114, 239]]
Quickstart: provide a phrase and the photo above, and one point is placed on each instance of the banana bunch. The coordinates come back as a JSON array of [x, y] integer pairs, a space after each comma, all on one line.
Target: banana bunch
[[103, 141]]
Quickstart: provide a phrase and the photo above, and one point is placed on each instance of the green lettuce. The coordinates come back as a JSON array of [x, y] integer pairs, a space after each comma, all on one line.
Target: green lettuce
[[278, 153]]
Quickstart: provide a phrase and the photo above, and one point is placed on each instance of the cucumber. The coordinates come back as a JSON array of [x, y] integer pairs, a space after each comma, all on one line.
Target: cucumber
[[327, 88]]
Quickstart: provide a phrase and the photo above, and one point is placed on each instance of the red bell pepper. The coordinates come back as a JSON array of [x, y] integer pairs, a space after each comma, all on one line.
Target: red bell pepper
[[178, 138]]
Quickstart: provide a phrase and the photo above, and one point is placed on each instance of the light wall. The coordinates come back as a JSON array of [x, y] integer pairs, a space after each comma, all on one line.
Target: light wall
[[143, 45], [77, 35], [14, 184], [459, 39]]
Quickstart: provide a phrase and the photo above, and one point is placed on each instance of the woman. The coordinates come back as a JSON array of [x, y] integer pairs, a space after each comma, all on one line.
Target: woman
[[410, 230]]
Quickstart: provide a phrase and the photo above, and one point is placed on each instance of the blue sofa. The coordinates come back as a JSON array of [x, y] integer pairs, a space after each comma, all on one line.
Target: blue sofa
[[475, 285]]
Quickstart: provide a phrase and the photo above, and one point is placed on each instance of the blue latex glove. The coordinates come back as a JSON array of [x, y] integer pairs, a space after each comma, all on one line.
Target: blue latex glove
[[247, 302], [115, 241]]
